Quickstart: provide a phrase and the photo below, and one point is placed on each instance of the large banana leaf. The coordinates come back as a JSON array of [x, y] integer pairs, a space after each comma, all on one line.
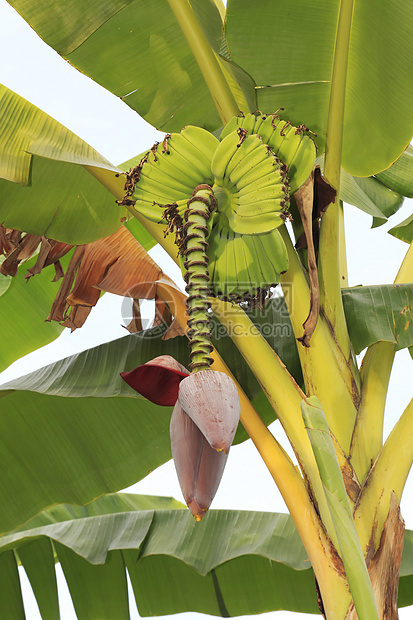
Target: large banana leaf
[[232, 563], [44, 188], [136, 50], [381, 312], [288, 48], [74, 430]]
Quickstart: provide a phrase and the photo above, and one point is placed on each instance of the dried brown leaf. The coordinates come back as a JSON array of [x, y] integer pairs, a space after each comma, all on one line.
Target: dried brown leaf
[[305, 198], [24, 250], [117, 264], [324, 195], [135, 325], [58, 308], [173, 330], [50, 253]]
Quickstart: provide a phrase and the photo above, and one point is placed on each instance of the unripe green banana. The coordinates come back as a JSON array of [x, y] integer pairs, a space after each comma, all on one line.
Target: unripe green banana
[[260, 223], [268, 127], [194, 144], [294, 146], [273, 246], [259, 119], [158, 170], [248, 123], [248, 146], [265, 192], [231, 126], [249, 162], [258, 171]]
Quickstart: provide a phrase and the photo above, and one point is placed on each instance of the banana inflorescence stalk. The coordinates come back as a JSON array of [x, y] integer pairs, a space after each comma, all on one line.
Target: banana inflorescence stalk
[[193, 245]]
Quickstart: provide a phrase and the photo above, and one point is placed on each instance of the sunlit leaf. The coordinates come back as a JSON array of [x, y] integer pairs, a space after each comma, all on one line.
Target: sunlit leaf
[[233, 562], [138, 52], [288, 49], [44, 188]]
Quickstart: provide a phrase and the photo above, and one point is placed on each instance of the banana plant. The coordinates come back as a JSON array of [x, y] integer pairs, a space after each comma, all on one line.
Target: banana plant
[[272, 119]]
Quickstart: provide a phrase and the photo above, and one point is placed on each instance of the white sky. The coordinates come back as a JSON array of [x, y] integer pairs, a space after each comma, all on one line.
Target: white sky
[[37, 73]]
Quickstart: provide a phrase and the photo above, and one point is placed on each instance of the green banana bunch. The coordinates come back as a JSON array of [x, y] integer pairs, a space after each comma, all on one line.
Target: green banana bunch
[[169, 171], [252, 169], [294, 146], [251, 186]]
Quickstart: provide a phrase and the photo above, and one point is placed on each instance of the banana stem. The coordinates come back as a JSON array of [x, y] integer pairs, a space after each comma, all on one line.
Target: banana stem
[[368, 431], [375, 375], [405, 273], [326, 373], [351, 551], [342, 248], [194, 246], [329, 251], [207, 60], [388, 475]]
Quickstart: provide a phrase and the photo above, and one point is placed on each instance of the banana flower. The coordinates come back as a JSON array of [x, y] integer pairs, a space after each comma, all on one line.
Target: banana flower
[[203, 423]]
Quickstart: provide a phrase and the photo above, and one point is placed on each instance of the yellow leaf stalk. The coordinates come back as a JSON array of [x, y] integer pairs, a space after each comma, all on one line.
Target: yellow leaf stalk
[[329, 250], [327, 375], [206, 58], [281, 390], [387, 476], [375, 374]]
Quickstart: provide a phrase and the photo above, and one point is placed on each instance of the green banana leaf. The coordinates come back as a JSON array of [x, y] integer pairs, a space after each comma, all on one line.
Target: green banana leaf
[[381, 312], [232, 563], [137, 51], [288, 49], [399, 177], [24, 307], [44, 188], [368, 194], [64, 427], [371, 196], [404, 230]]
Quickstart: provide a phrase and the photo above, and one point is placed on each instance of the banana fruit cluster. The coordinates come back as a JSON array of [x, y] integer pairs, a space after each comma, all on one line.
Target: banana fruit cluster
[[169, 172], [292, 145], [252, 169]]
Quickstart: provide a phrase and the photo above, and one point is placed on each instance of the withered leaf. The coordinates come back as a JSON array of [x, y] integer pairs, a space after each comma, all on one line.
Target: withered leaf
[[323, 195], [304, 198], [117, 264]]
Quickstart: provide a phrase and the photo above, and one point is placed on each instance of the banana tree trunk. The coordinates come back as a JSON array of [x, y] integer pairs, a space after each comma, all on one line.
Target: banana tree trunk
[[384, 566]]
